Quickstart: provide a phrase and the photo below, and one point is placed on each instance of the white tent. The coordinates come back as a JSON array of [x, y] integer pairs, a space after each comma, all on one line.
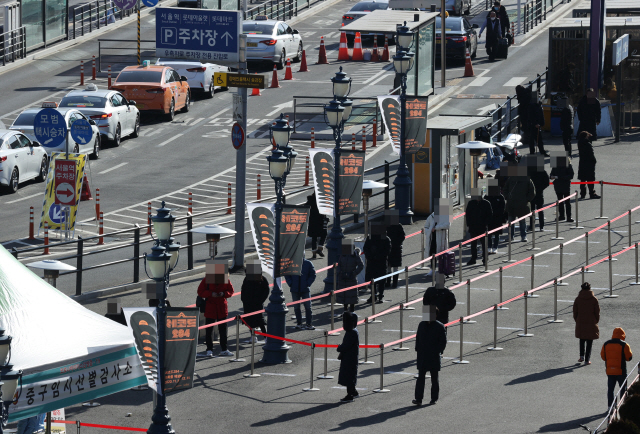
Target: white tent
[[68, 354]]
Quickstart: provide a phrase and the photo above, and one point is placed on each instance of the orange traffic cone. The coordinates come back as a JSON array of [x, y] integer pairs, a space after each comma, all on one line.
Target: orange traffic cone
[[256, 90], [322, 55], [303, 62], [274, 79], [343, 52], [374, 55], [86, 191], [288, 75], [385, 52], [357, 49], [468, 69]]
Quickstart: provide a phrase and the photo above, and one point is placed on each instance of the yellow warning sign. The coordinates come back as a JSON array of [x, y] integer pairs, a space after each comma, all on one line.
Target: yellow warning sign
[[52, 213]]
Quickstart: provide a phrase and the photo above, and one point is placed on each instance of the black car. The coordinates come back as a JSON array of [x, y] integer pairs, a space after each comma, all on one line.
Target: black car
[[461, 36]]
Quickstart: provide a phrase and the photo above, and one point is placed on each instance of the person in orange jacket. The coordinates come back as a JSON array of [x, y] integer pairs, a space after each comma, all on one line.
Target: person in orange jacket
[[215, 288], [616, 353]]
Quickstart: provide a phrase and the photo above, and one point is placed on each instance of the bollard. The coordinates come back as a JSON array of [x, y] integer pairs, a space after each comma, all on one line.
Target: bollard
[[461, 361], [238, 359], [366, 342], [326, 349], [101, 230], [82, 73], [421, 267], [148, 218], [602, 202], [311, 388], [190, 203], [500, 291], [93, 68], [533, 266], [557, 237], [46, 238], [97, 203], [374, 138], [560, 282], [533, 232], [555, 303], [637, 282], [78, 426], [486, 251], [469, 303], [253, 353], [577, 214], [364, 139], [31, 234], [381, 389], [508, 244], [401, 347], [582, 268], [373, 302], [353, 141], [259, 190], [586, 252], [109, 77], [229, 198], [526, 333], [460, 262], [495, 346], [306, 173], [609, 257], [406, 290], [313, 137], [629, 229]]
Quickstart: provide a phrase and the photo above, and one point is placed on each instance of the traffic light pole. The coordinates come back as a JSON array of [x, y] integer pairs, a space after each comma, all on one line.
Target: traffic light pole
[[241, 155]]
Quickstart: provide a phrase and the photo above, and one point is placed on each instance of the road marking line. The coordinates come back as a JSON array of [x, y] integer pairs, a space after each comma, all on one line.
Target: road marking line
[[24, 198], [344, 388], [480, 81], [465, 342], [400, 373], [380, 79], [330, 360], [509, 328], [280, 375], [540, 314], [566, 301], [113, 168], [514, 81], [169, 140], [404, 331]]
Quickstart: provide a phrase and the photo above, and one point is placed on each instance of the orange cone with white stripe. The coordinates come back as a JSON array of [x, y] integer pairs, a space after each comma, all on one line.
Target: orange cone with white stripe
[[288, 75], [375, 57], [322, 55], [256, 91], [468, 68], [357, 49], [343, 52], [274, 79], [385, 52]]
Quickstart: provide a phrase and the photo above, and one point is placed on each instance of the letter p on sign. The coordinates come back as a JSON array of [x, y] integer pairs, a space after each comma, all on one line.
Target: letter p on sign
[[170, 36]]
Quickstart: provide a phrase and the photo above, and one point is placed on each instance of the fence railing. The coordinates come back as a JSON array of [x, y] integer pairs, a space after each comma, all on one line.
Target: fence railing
[[368, 108], [13, 45], [613, 413], [120, 53], [94, 15], [533, 12]]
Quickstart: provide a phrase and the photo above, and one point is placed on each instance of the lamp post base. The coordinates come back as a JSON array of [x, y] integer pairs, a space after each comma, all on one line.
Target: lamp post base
[[161, 421], [275, 355]]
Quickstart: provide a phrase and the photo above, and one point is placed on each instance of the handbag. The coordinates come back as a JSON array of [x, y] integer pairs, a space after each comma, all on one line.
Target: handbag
[[201, 303]]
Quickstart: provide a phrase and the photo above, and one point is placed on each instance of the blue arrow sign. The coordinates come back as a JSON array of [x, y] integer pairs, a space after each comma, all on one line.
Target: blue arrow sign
[[81, 131], [150, 3], [125, 4], [198, 34], [50, 128], [55, 213]]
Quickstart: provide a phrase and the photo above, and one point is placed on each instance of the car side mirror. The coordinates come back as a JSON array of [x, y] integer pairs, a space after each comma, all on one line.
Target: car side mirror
[[132, 102], [183, 78], [35, 143], [92, 122], [475, 26], [295, 32]]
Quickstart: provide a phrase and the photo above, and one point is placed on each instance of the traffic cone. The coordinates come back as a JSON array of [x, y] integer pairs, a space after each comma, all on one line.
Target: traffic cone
[[86, 191], [343, 52], [255, 91], [303, 62], [274, 79], [357, 55], [375, 56], [385, 52], [322, 54], [468, 69], [288, 75]]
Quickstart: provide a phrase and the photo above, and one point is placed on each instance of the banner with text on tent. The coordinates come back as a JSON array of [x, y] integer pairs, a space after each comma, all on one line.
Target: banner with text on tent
[[293, 234], [415, 134], [52, 212], [261, 219], [181, 331]]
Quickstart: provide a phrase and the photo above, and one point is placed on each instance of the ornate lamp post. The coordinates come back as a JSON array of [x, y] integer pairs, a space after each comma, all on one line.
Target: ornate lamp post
[[336, 115], [9, 379], [402, 63], [281, 162], [161, 262]]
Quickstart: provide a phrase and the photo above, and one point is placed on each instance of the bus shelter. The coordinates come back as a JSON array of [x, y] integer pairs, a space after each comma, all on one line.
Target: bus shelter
[[615, 8], [440, 169]]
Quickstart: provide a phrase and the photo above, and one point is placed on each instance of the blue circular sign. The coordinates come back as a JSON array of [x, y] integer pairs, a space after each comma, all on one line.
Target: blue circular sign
[[56, 213], [50, 128], [150, 3], [237, 136], [81, 131]]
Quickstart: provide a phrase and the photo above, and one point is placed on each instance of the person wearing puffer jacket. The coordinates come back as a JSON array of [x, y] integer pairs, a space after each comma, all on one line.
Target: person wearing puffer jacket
[[616, 353], [586, 314]]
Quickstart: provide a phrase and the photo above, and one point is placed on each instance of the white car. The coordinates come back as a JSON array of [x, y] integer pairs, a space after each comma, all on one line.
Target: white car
[[21, 159], [272, 41], [114, 115], [199, 75], [24, 124], [361, 9]]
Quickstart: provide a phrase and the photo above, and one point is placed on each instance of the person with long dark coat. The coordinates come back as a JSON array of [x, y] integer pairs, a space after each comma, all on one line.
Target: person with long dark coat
[[317, 228], [540, 179], [494, 34], [589, 113], [586, 314], [562, 174], [523, 94], [441, 297], [498, 215], [395, 233], [502, 14], [349, 351], [431, 340], [586, 165], [254, 292], [349, 266], [535, 119], [478, 215], [376, 251]]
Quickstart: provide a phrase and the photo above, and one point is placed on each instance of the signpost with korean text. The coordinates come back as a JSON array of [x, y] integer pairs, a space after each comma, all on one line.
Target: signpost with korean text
[[293, 234], [249, 81], [180, 349], [50, 128], [415, 124], [350, 186], [619, 53]]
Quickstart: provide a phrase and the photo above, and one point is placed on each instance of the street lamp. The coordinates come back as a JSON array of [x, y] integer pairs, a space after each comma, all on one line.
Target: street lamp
[[367, 191], [336, 115], [52, 269], [213, 233], [161, 261], [403, 63], [281, 162], [9, 379]]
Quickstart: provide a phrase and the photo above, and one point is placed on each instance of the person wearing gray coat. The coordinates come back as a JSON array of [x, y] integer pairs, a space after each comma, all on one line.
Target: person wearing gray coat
[[349, 266]]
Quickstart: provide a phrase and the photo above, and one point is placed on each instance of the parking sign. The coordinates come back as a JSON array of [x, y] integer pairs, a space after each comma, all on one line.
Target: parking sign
[[50, 128]]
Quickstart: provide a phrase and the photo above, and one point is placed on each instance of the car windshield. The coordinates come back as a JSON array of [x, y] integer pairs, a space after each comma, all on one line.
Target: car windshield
[[26, 119], [139, 77], [368, 6], [258, 28], [89, 101], [453, 25]]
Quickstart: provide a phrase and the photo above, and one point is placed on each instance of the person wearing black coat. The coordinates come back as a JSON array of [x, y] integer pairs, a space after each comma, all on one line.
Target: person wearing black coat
[[395, 233], [376, 251], [587, 164], [562, 174], [478, 215], [540, 179], [566, 124], [349, 351], [254, 292], [523, 94], [317, 228], [441, 297], [589, 113], [498, 214], [535, 121], [431, 340], [501, 11], [493, 34]]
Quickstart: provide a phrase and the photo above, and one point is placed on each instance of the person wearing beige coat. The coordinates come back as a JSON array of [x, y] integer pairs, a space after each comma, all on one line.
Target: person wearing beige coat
[[586, 313]]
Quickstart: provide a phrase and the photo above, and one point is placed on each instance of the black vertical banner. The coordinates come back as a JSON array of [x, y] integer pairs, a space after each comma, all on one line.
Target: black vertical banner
[[415, 124], [293, 234], [181, 337], [351, 176]]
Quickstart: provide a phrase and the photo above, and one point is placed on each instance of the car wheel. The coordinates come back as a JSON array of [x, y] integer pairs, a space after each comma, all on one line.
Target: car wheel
[[44, 168], [283, 60], [13, 181], [187, 101], [117, 137], [172, 110], [212, 89], [298, 57], [136, 128], [96, 150]]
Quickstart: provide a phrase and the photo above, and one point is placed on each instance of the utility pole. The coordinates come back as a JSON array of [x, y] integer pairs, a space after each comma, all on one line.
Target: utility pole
[[241, 154], [443, 45]]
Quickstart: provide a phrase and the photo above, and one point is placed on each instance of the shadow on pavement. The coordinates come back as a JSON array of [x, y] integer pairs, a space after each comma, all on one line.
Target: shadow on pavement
[[287, 417], [571, 424], [545, 375], [376, 418]]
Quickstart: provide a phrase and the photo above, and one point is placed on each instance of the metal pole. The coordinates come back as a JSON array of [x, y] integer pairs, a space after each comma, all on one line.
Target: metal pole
[[500, 291], [326, 349], [469, 303], [602, 202], [561, 283], [610, 260], [253, 353], [138, 8], [443, 46], [495, 346], [422, 247], [381, 389], [637, 282], [401, 347], [582, 268], [526, 333], [238, 359], [461, 361], [533, 231], [533, 266], [311, 388], [509, 244], [373, 302], [629, 228], [609, 257], [486, 251], [241, 156], [79, 265], [460, 263], [557, 237], [332, 296], [577, 214], [366, 342], [406, 290], [555, 303], [586, 252]]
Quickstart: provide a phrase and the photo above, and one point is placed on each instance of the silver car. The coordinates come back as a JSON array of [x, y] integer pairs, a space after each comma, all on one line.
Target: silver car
[[114, 115], [199, 75], [272, 41], [21, 159]]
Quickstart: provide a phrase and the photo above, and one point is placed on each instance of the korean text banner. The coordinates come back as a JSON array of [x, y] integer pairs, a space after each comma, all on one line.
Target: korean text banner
[[323, 179], [181, 332], [142, 322], [415, 134], [293, 234], [53, 213], [390, 109], [351, 176], [262, 220]]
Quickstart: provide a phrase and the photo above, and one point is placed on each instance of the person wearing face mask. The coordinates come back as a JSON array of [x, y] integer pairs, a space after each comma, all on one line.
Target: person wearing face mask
[[587, 164], [502, 15], [494, 33]]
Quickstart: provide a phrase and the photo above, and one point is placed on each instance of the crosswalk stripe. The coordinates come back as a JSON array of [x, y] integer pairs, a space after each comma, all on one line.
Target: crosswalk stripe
[[515, 81], [480, 81]]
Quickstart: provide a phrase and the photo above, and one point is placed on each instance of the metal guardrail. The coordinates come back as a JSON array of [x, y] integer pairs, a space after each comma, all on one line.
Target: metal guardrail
[[137, 242], [13, 45], [612, 414], [93, 15], [119, 53], [356, 111]]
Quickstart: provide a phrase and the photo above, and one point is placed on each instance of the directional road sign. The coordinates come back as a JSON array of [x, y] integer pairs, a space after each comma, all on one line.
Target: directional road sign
[[65, 182], [237, 135], [56, 213], [198, 34], [50, 128], [150, 3], [125, 4], [251, 81], [620, 49], [81, 131]]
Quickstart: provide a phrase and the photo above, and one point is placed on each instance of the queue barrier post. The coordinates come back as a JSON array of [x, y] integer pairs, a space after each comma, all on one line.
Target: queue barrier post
[[486, 251], [433, 270], [238, 359], [406, 290], [533, 231], [582, 272], [31, 229], [586, 253], [461, 361], [373, 302], [46, 238], [557, 237], [78, 426], [422, 247], [366, 360], [629, 229], [577, 214], [381, 389], [332, 313], [468, 321], [460, 262], [637, 282], [533, 273], [508, 244], [555, 303], [526, 333], [311, 388], [500, 290], [602, 217], [609, 257], [401, 347], [326, 350], [560, 282], [253, 354], [495, 346]]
